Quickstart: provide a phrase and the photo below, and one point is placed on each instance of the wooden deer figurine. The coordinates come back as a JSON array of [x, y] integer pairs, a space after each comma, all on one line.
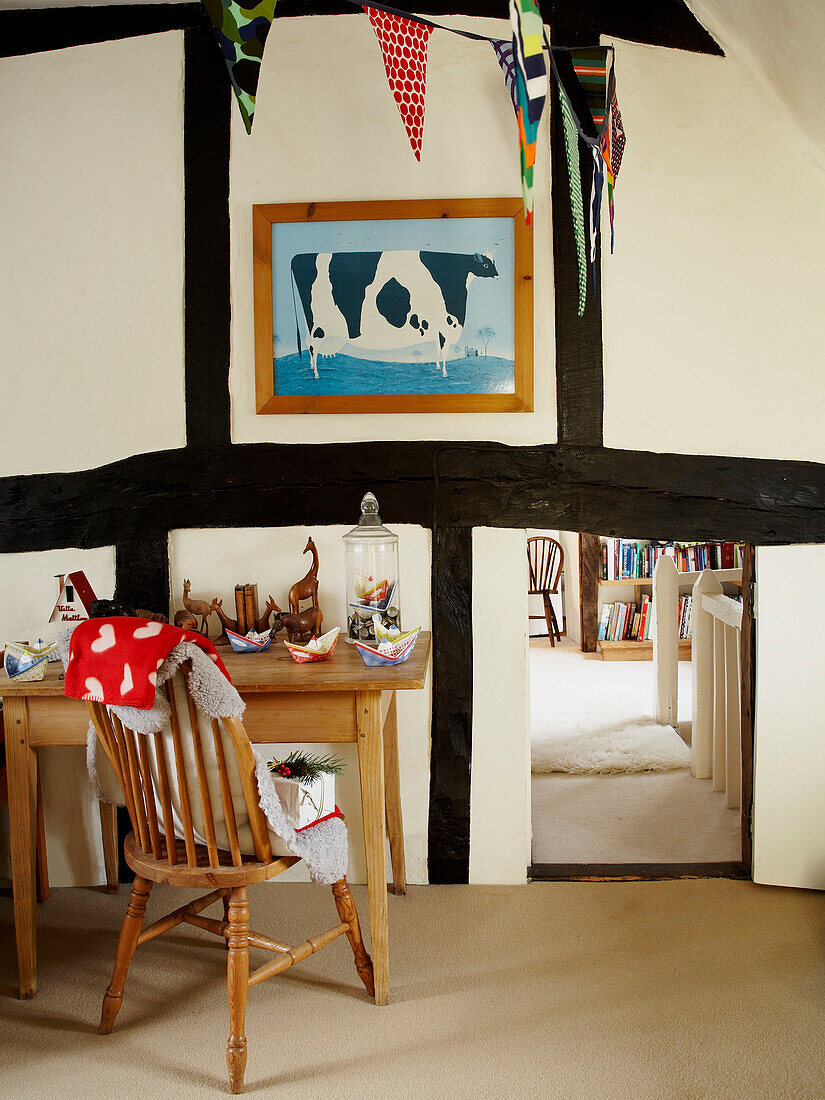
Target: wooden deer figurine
[[199, 607], [263, 623], [307, 588], [299, 628]]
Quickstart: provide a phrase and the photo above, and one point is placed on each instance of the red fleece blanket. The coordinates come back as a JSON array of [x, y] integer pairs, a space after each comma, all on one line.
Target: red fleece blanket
[[116, 660]]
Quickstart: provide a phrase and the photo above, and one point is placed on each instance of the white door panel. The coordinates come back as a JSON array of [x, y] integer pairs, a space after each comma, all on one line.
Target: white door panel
[[789, 741]]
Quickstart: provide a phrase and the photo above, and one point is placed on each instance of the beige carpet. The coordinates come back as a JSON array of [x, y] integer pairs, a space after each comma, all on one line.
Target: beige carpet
[[696, 989], [667, 817]]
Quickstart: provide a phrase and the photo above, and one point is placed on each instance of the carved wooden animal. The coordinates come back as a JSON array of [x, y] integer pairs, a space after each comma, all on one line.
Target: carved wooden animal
[[263, 623], [307, 588], [299, 628], [186, 620], [199, 607], [152, 616], [226, 622]]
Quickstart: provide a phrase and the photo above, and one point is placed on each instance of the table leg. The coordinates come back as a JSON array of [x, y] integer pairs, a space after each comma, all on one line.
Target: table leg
[[108, 830], [392, 784], [371, 766], [42, 862], [21, 771]]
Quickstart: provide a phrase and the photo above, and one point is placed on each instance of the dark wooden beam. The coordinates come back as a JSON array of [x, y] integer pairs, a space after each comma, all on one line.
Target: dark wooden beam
[[142, 573], [37, 30], [479, 484], [452, 731], [206, 115], [656, 22], [747, 654], [590, 563], [633, 872]]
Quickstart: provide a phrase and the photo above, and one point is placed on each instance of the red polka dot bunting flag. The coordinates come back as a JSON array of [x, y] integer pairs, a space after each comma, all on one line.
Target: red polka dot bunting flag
[[404, 48]]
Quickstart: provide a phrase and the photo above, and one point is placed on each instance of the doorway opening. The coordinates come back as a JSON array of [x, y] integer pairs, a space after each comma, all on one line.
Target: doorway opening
[[617, 788]]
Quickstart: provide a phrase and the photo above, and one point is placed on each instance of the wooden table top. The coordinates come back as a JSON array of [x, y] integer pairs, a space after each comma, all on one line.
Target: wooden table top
[[274, 670]]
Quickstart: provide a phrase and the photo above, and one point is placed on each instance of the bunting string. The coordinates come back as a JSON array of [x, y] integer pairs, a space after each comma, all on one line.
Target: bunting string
[[584, 76]]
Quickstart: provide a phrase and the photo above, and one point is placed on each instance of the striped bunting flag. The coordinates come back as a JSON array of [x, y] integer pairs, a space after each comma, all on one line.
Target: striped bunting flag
[[531, 88], [571, 145], [504, 56]]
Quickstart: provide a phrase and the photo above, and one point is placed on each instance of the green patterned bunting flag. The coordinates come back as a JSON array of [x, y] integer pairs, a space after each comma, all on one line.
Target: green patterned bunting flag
[[242, 31], [571, 145]]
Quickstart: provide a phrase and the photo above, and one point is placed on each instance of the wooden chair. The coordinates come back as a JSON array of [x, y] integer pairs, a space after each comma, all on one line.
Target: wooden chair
[[545, 558], [193, 801]]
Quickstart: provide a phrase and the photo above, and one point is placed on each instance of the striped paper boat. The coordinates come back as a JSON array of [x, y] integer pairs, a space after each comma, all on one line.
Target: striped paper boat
[[388, 653], [257, 643]]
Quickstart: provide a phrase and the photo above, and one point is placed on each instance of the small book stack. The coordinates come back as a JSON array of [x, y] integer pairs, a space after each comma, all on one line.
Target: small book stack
[[622, 558], [630, 622]]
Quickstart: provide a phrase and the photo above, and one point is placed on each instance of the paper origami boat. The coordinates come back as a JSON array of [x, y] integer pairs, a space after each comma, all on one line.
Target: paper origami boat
[[26, 663], [252, 643], [316, 650], [388, 653], [381, 599]]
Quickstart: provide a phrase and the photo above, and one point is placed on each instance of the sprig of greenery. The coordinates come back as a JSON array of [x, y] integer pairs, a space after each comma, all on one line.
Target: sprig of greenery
[[305, 766]]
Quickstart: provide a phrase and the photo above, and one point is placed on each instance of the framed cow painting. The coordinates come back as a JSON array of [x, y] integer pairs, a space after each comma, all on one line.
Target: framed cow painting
[[382, 307]]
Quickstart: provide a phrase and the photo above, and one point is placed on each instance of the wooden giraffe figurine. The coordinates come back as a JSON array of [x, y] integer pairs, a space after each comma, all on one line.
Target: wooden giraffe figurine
[[307, 588]]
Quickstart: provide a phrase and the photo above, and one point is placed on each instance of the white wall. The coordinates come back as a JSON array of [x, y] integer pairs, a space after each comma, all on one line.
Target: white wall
[[91, 287], [336, 135], [789, 741], [712, 299], [215, 560], [28, 592], [500, 773]]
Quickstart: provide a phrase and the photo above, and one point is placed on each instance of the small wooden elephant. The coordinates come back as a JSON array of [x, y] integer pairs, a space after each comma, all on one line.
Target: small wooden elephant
[[299, 628]]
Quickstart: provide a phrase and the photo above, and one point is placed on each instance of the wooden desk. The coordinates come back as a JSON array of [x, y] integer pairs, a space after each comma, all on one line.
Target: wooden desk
[[340, 700]]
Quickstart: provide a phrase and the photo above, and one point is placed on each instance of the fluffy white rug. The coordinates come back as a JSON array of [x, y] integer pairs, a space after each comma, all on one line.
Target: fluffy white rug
[[595, 717], [643, 747]]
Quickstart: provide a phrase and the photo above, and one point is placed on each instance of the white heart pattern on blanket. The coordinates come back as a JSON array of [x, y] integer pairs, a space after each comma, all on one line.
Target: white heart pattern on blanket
[[105, 640], [94, 688], [153, 679], [148, 631], [128, 682]]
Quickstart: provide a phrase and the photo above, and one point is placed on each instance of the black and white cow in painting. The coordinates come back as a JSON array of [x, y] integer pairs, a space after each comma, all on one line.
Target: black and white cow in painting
[[385, 301]]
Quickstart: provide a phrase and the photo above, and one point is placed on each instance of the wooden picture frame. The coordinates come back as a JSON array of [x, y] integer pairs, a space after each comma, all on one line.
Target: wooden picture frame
[[332, 270]]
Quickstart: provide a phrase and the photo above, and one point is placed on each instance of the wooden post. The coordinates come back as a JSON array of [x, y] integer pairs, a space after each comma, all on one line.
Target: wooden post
[[701, 660], [371, 765], [21, 772], [665, 640], [719, 706], [589, 568], [733, 744]]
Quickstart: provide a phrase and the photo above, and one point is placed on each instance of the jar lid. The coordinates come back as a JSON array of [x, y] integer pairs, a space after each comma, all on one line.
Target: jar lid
[[370, 525]]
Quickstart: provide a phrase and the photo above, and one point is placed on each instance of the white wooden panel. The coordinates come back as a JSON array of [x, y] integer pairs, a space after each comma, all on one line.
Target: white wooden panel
[[789, 749], [719, 707], [733, 719], [500, 776], [666, 640], [701, 655]]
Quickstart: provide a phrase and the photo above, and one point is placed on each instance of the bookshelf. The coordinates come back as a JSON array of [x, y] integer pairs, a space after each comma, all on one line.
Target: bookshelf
[[638, 590]]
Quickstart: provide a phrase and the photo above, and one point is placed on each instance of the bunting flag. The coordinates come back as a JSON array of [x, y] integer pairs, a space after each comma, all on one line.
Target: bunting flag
[[571, 145], [531, 88], [612, 151], [504, 56], [404, 49], [242, 32]]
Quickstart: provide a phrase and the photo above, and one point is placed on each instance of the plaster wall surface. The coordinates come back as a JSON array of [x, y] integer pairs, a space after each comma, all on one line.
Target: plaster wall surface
[[337, 135], [91, 286], [500, 774], [711, 301], [28, 591], [215, 560]]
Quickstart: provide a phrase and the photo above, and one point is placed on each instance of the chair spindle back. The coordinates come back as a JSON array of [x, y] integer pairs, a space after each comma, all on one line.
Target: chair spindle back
[[545, 558], [160, 792]]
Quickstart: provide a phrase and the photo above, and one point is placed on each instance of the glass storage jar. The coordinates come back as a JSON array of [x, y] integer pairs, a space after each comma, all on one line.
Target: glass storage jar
[[371, 553]]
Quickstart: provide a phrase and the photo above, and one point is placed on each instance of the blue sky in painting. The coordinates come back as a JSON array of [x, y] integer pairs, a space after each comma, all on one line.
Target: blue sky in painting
[[489, 301]]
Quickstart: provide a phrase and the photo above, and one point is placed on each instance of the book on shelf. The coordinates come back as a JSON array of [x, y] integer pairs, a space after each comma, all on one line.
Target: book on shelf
[[625, 559], [630, 622]]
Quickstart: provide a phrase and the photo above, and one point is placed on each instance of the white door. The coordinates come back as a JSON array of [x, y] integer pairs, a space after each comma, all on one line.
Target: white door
[[789, 738]]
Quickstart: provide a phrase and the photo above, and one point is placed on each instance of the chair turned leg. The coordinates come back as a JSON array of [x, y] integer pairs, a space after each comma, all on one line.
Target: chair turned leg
[[126, 944], [555, 621], [237, 984], [549, 616], [349, 915]]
